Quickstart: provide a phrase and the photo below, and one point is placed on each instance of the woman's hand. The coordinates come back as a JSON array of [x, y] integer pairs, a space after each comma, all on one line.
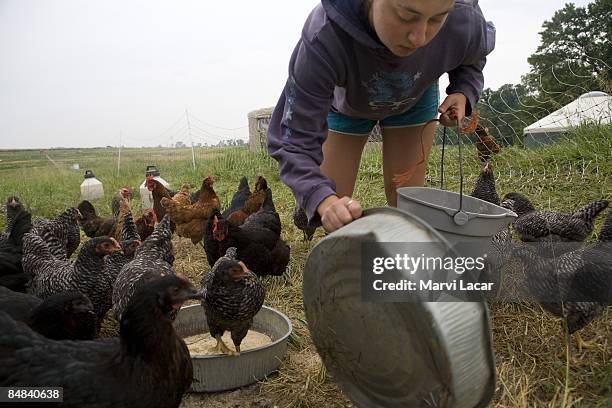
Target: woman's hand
[[452, 110], [336, 212]]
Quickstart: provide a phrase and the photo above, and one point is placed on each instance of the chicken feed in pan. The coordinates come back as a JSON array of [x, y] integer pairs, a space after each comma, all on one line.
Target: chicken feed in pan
[[204, 344]]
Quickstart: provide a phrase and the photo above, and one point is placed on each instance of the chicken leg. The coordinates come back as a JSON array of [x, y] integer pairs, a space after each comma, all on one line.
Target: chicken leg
[[566, 343], [221, 347], [584, 344]]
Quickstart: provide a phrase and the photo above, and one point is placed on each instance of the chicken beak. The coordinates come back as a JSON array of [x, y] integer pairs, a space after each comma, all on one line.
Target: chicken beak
[[193, 294], [245, 272], [116, 246], [83, 309]]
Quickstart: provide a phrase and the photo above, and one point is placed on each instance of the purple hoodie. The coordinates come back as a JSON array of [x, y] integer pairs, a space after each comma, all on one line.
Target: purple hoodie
[[339, 64]]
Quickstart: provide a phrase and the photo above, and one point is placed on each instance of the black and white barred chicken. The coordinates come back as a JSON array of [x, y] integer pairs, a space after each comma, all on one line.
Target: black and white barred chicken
[[62, 234], [232, 297], [12, 274], [147, 366], [52, 275], [63, 316], [129, 241], [576, 285], [500, 252], [484, 187], [540, 226], [153, 259]]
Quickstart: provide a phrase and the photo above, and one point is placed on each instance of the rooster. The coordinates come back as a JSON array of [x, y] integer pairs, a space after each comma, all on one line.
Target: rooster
[[191, 219], [232, 296], [250, 205], [486, 145]]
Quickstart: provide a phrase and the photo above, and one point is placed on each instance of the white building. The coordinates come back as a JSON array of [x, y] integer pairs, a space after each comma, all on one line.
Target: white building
[[592, 107]]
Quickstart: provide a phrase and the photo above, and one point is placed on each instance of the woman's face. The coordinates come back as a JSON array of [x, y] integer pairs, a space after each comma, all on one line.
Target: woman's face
[[403, 26]]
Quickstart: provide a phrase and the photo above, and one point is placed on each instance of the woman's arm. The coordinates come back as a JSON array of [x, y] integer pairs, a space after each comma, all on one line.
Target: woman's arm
[[298, 126]]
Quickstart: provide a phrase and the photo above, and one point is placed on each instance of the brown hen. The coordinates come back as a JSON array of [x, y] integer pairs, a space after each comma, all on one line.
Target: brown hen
[[486, 145], [191, 219], [158, 191], [146, 223]]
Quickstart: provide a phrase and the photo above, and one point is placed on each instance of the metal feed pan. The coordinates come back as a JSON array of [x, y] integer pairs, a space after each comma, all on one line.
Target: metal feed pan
[[220, 372]]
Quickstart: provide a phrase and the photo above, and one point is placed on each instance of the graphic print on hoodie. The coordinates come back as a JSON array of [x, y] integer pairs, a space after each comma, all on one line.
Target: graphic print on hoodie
[[390, 90]]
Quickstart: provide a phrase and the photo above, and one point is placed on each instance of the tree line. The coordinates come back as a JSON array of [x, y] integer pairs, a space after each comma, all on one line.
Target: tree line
[[573, 58]]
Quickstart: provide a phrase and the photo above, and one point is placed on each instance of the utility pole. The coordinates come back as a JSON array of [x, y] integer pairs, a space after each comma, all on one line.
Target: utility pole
[[119, 158], [190, 140]]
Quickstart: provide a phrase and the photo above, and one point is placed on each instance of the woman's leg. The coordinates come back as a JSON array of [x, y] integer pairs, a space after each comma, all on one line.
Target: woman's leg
[[341, 157], [401, 150]]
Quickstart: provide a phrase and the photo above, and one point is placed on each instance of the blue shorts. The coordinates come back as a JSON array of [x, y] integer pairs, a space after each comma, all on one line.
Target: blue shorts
[[423, 111]]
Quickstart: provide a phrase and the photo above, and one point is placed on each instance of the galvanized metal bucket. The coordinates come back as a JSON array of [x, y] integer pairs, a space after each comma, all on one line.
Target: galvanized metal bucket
[[459, 218], [410, 354]]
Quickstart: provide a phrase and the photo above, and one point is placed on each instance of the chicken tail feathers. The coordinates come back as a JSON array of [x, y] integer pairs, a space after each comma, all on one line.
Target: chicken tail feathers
[[591, 210], [87, 209], [268, 203], [244, 185], [21, 224], [605, 233]]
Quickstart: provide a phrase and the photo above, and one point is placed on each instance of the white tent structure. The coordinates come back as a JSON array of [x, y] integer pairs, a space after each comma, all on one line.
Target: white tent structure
[[591, 107]]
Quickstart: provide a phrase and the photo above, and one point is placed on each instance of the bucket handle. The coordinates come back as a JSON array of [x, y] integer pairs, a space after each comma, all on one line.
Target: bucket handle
[[459, 216]]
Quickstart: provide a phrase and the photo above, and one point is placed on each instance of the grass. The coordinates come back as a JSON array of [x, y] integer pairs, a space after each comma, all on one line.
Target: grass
[[526, 339]]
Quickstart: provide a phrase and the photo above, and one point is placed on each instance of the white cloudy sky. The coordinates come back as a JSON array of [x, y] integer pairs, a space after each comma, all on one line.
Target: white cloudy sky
[[79, 73]]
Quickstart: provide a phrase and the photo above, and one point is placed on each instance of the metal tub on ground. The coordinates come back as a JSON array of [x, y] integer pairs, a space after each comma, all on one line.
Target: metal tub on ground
[[220, 372]]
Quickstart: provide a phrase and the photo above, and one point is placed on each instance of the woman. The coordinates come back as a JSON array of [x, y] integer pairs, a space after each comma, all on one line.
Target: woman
[[362, 62]]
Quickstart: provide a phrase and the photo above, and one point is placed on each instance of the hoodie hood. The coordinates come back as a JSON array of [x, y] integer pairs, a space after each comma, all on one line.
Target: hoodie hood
[[351, 16]]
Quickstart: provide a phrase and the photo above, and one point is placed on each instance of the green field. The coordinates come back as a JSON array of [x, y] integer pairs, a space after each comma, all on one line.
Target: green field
[[561, 177]]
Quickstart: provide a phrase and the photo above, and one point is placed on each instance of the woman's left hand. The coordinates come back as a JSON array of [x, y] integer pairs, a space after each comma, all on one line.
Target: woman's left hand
[[452, 110]]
